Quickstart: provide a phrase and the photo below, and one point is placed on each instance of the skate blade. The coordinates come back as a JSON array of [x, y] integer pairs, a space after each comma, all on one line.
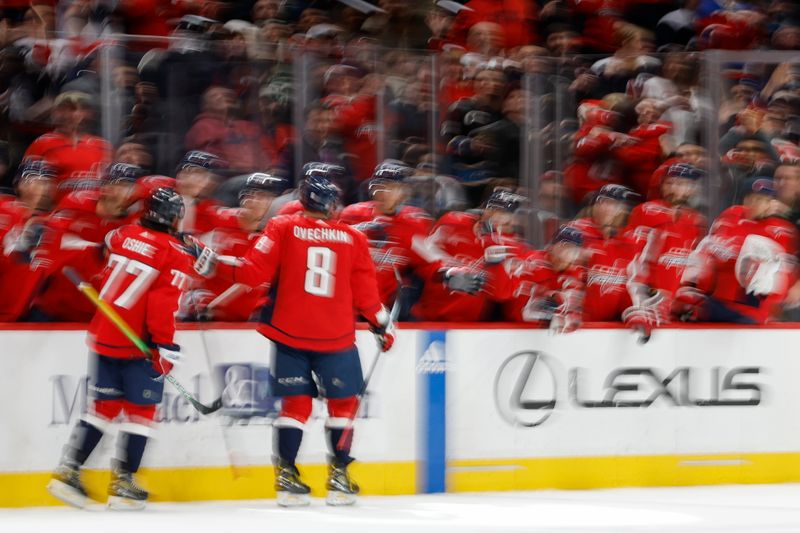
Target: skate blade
[[288, 499], [336, 498], [67, 494], [118, 503]]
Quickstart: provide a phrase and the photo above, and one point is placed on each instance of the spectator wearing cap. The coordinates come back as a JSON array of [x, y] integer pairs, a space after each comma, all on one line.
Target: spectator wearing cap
[[220, 131], [75, 155], [752, 155]]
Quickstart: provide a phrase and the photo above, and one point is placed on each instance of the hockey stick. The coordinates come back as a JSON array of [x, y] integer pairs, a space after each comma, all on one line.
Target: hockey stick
[[111, 314], [347, 431]]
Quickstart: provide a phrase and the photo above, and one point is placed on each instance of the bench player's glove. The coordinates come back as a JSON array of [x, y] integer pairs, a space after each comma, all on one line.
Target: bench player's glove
[[165, 357], [687, 303], [464, 279], [206, 262]]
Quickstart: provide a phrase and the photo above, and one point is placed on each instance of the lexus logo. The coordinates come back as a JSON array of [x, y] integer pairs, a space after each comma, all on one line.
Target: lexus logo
[[525, 389]]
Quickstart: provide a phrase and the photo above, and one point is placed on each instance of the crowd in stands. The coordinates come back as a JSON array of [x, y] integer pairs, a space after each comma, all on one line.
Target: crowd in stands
[[540, 161]]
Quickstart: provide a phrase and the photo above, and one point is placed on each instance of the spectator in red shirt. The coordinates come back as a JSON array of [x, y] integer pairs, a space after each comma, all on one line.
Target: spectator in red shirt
[[516, 17], [219, 131], [76, 156]]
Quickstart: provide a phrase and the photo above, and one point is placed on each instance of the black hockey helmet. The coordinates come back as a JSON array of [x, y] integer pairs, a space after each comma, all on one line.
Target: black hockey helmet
[[162, 209], [35, 169], [318, 193], [200, 159], [389, 171], [122, 173], [505, 199], [262, 182]]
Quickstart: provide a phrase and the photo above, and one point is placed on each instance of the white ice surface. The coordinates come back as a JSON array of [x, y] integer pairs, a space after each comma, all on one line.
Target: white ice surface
[[728, 509]]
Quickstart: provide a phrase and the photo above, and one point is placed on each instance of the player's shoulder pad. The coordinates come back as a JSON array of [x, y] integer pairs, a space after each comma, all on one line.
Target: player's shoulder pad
[[355, 213], [79, 201], [412, 212]]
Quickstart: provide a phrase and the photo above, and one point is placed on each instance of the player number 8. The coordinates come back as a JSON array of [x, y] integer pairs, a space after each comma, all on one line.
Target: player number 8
[[321, 265]]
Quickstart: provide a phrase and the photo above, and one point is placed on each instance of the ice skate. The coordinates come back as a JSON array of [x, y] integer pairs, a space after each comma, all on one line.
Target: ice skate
[[291, 491], [341, 489], [66, 485], [124, 494]]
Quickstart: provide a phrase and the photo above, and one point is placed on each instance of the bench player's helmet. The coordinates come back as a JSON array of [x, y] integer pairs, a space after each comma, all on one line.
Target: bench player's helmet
[[162, 210], [262, 182]]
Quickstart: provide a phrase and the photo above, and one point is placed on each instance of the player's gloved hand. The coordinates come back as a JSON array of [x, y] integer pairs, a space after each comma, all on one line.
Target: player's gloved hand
[[496, 254], [206, 263], [687, 303], [463, 279], [563, 323], [191, 244], [165, 357], [29, 238], [641, 319], [383, 329], [384, 335]]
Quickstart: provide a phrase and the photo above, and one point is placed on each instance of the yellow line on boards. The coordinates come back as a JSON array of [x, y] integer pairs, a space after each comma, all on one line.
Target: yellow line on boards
[[27, 489], [621, 471]]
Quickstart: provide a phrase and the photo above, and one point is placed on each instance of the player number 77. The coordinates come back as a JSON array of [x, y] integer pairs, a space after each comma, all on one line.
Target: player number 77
[[112, 315]]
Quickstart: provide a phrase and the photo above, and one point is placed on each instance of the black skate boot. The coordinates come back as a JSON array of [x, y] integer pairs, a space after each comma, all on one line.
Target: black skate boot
[[123, 492], [291, 491], [66, 485], [341, 489]]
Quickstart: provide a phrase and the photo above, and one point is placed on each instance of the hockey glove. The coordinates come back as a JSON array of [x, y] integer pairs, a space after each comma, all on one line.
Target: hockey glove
[[206, 263], [192, 245], [462, 279], [496, 254], [383, 329], [564, 323], [687, 303], [165, 357]]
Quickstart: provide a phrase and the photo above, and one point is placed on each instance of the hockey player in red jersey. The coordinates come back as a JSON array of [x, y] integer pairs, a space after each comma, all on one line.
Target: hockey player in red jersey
[[197, 178], [74, 236], [741, 272], [237, 229], [466, 256], [665, 232], [21, 225], [320, 275], [77, 157], [389, 225], [549, 284], [609, 254], [146, 271]]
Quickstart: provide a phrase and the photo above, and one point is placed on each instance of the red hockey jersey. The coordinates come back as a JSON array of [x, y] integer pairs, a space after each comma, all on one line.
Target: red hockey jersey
[[74, 237], [17, 280], [75, 159], [142, 281], [456, 241], [320, 274], [231, 302], [390, 239], [664, 236], [723, 263], [607, 273]]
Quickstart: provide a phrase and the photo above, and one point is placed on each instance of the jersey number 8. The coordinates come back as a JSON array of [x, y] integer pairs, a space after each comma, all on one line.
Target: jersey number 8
[[321, 265]]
